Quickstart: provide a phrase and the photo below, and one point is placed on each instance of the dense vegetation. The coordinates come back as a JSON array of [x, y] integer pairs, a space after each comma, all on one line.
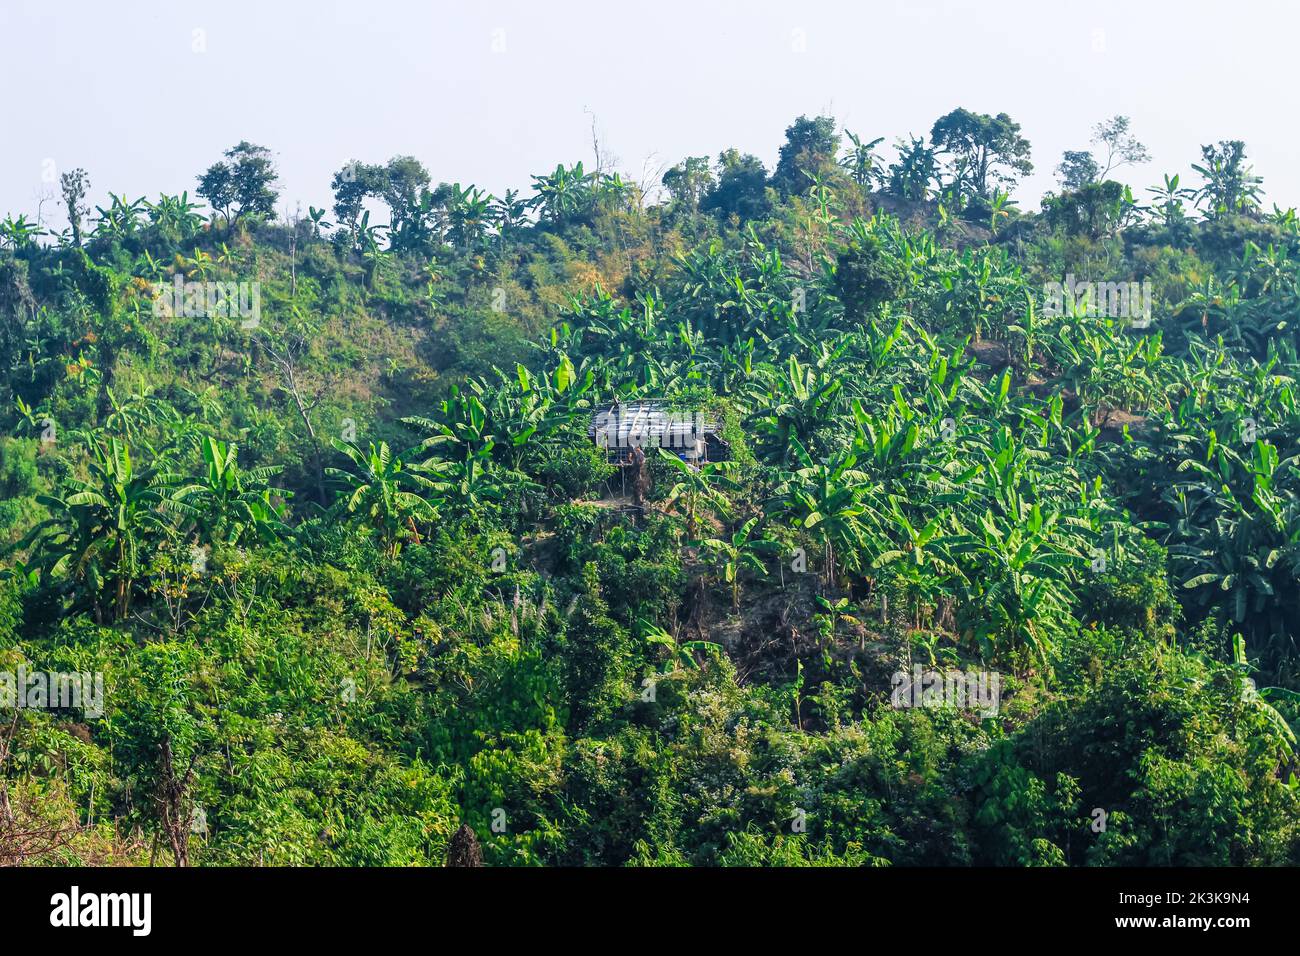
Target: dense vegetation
[[356, 576]]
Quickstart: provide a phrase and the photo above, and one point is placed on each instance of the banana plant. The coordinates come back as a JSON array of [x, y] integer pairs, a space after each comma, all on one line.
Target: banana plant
[[1259, 699], [807, 400], [1169, 207], [564, 193], [175, 216], [121, 220], [681, 654], [470, 213], [19, 234], [233, 504], [1000, 208], [738, 552], [318, 221], [1017, 584], [388, 492], [101, 527], [699, 487], [832, 613], [861, 161], [826, 500], [1238, 530]]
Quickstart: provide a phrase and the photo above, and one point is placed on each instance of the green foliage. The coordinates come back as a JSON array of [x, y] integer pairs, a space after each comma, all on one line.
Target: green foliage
[[340, 652], [741, 187], [984, 149], [244, 185], [810, 145], [866, 277]]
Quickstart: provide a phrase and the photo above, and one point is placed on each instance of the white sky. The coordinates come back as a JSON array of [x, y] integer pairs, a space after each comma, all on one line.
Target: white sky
[[118, 87]]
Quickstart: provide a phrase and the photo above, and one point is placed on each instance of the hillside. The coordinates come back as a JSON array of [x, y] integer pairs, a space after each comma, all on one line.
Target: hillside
[[980, 569]]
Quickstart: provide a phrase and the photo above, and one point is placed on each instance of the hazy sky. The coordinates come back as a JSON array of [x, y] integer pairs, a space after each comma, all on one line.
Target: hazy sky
[[146, 94]]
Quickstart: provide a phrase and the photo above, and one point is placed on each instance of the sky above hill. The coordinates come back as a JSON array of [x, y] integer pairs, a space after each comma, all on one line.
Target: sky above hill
[[146, 94]]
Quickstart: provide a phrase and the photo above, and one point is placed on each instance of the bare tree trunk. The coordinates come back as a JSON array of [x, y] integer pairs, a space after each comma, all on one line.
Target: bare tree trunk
[[286, 362], [173, 797], [311, 433]]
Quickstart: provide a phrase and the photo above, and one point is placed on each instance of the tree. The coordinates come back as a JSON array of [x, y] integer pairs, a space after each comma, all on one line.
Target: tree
[[1080, 168], [1122, 148], [288, 348], [866, 276], [688, 183], [405, 189], [1077, 169], [741, 188], [161, 729], [1094, 209], [243, 185], [74, 186], [600, 654], [216, 185], [810, 146], [352, 185], [985, 150], [17, 302]]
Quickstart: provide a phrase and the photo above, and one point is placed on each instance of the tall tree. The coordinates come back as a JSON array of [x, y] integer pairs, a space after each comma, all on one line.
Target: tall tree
[[1079, 168], [352, 185], [688, 182], [986, 150], [1122, 147], [243, 184], [405, 189], [74, 185], [811, 145], [741, 189]]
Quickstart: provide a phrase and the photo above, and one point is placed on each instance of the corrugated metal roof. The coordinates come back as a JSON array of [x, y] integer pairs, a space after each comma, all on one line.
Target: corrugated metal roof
[[651, 418]]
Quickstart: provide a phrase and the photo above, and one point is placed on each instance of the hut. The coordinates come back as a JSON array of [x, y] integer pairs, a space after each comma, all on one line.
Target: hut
[[624, 426]]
